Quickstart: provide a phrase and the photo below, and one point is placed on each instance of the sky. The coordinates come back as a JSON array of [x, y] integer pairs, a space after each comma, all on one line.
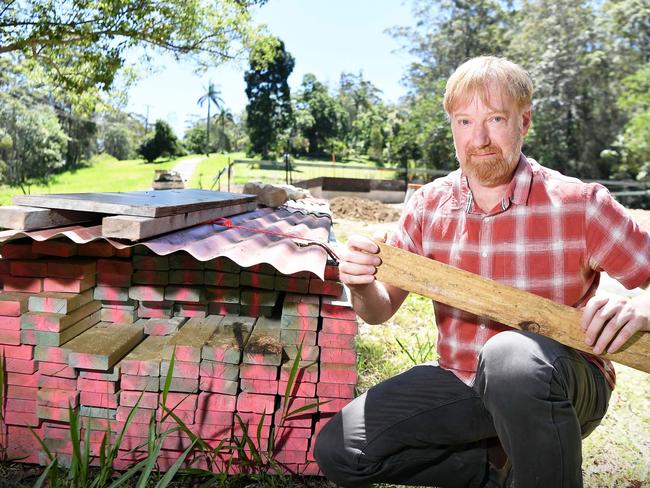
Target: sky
[[326, 37]]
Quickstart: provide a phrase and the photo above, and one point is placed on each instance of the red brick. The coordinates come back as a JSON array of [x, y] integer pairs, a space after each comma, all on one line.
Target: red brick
[[339, 326], [56, 247], [18, 250], [18, 352], [22, 284], [22, 366], [114, 279], [57, 383], [335, 390], [343, 341], [258, 372], [29, 267], [99, 249], [216, 401], [72, 268], [114, 266], [49, 397], [102, 400], [265, 387], [13, 304], [84, 384], [68, 285], [150, 277], [251, 402]]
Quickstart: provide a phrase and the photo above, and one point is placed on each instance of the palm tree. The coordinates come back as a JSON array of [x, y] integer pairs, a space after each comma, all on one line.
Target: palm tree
[[213, 95], [225, 115]]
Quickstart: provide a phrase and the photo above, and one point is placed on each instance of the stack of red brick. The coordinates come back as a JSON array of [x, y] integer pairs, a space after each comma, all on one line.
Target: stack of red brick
[[95, 328]]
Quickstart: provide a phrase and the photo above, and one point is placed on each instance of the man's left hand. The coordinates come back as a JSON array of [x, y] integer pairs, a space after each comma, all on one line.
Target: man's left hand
[[610, 321]]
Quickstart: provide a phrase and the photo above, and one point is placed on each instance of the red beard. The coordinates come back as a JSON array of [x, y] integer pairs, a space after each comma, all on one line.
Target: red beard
[[490, 172]]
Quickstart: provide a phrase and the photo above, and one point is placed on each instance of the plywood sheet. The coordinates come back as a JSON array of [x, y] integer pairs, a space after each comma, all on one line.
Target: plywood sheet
[[159, 203]]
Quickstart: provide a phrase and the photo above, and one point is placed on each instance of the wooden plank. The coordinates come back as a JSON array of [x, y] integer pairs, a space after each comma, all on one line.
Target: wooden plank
[[264, 345], [43, 338], [145, 359], [496, 301], [32, 218], [103, 345], [228, 340], [187, 343], [135, 228], [157, 203]]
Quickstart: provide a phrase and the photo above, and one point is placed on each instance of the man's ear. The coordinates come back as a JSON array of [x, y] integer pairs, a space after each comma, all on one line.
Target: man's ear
[[526, 119]]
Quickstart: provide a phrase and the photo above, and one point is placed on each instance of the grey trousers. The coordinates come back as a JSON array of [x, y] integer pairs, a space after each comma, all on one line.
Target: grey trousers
[[426, 427]]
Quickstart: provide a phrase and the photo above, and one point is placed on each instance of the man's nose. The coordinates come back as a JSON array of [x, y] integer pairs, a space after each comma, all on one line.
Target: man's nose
[[480, 136]]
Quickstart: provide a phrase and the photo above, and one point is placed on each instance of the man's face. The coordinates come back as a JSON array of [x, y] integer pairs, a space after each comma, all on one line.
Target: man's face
[[488, 137]]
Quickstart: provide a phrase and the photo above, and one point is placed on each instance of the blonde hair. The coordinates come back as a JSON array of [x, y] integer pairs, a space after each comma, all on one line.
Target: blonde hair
[[474, 77]]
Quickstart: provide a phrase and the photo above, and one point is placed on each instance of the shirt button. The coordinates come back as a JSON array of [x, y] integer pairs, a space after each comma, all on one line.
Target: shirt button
[[487, 219], [482, 326], [484, 254]]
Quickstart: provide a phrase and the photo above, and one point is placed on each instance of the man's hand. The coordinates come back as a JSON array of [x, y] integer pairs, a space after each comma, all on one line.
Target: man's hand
[[610, 321], [358, 260]]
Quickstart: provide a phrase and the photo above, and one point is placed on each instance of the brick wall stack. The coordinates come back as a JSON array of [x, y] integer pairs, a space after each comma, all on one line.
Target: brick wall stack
[[233, 333]]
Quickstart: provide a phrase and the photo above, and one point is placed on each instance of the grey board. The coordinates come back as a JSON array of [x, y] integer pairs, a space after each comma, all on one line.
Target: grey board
[[155, 203]]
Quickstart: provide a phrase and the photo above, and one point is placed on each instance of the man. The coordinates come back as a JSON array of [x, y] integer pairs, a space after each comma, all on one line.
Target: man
[[495, 391]]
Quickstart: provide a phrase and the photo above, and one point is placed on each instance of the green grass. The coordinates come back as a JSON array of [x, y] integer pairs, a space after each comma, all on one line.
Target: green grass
[[103, 173]]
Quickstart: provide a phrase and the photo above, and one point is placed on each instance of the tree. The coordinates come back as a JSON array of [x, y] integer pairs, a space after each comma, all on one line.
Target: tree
[[118, 142], [83, 44], [268, 113], [225, 116], [211, 96], [326, 115], [164, 143]]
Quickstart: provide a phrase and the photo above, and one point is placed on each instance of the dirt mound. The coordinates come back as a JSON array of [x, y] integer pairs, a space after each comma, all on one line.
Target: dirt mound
[[362, 209]]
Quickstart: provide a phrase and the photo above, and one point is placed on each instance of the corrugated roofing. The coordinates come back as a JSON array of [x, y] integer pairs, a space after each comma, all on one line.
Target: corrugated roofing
[[309, 220]]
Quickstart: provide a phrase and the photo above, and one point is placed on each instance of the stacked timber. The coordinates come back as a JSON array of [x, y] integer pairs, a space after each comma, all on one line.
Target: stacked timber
[[106, 331]]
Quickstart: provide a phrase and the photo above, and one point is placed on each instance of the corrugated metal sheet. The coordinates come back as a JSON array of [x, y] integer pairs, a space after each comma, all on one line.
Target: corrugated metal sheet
[[245, 247]]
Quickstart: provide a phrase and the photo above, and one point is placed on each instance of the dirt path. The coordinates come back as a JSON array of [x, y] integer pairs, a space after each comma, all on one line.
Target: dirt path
[[186, 167]]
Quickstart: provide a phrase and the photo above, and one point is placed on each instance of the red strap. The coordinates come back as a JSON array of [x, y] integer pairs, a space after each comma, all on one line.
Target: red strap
[[228, 223]]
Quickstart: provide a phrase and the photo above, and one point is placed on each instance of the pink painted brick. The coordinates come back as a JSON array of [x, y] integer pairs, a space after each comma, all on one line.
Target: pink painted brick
[[49, 397], [182, 369], [334, 311], [155, 310], [116, 293], [299, 388], [147, 293], [53, 354], [331, 272], [84, 384], [22, 284], [186, 416], [210, 418], [57, 369], [22, 366], [102, 400], [340, 326], [10, 337], [190, 309], [343, 341], [338, 373], [139, 383], [18, 352], [265, 387], [212, 431], [13, 304], [181, 401], [28, 380], [224, 308], [251, 402], [19, 405], [216, 401], [21, 418], [258, 371], [57, 383], [307, 374], [333, 405], [147, 399], [184, 293], [286, 456], [118, 315], [335, 390], [141, 415], [10, 323], [339, 356], [214, 369], [218, 385], [327, 287]]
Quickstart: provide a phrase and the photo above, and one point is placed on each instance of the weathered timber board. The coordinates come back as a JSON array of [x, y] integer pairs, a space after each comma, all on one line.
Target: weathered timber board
[[159, 203], [135, 228], [31, 218], [496, 301], [103, 345]]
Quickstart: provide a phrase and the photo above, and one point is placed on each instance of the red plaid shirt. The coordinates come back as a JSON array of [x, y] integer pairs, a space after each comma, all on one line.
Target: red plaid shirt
[[552, 235]]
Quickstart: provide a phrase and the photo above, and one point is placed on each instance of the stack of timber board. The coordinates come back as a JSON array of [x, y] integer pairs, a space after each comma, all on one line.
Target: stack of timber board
[[95, 328], [131, 216]]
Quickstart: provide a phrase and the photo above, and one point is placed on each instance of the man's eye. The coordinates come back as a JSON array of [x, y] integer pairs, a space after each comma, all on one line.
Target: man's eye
[[498, 119], [463, 122]]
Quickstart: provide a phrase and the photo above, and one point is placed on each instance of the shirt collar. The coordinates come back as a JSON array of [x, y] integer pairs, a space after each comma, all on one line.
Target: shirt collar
[[517, 193]]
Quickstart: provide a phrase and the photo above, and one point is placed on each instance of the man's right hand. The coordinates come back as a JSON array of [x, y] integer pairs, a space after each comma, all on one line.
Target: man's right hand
[[359, 260]]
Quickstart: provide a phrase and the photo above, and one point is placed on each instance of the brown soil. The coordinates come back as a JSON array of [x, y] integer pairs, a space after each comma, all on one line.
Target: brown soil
[[362, 209]]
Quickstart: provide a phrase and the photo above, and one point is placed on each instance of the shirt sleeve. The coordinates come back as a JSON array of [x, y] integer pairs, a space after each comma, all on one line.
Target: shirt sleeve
[[408, 234], [615, 243]]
